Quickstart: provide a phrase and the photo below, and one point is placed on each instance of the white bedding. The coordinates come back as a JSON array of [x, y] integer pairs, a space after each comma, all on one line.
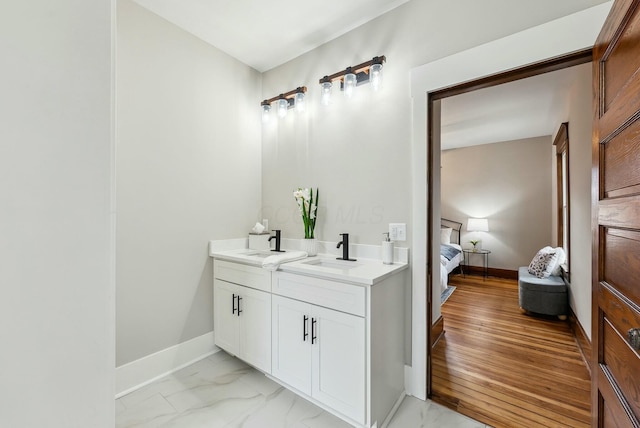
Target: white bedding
[[448, 265]]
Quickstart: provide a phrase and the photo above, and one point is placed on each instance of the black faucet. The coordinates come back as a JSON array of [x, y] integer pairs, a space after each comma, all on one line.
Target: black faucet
[[277, 237], [345, 248]]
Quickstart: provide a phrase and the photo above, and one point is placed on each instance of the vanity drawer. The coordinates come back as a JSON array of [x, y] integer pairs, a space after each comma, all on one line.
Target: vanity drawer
[[343, 297], [237, 273]]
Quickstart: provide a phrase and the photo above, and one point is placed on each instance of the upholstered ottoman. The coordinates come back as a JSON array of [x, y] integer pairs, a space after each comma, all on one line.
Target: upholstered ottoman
[[546, 296]]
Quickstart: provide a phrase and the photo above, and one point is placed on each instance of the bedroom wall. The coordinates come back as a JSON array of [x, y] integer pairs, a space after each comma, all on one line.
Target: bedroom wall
[[579, 115], [509, 183], [188, 170]]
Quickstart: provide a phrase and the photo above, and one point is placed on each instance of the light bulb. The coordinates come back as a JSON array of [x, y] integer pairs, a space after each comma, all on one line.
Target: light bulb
[[283, 106], [375, 76], [325, 89], [350, 81], [266, 112], [299, 102]]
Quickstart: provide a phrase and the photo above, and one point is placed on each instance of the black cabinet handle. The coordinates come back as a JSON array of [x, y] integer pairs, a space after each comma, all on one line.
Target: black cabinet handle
[[304, 328], [233, 304], [313, 331], [239, 310]]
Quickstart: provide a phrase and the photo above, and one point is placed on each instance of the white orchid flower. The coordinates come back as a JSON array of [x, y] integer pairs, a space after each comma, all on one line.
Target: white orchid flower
[[305, 194]]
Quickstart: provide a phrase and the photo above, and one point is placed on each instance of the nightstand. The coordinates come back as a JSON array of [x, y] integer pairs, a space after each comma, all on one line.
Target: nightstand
[[485, 259]]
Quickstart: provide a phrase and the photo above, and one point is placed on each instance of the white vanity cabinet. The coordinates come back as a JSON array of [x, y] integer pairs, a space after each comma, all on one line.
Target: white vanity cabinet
[[242, 312], [330, 332], [340, 344], [321, 353]]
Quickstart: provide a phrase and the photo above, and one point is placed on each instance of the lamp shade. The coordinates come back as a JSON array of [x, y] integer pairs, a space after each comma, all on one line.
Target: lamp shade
[[478, 225]]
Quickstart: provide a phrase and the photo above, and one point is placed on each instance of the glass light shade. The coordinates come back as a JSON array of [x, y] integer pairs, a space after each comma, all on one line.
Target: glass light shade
[[350, 81], [375, 76], [299, 102], [478, 225], [325, 89], [283, 106], [266, 112]]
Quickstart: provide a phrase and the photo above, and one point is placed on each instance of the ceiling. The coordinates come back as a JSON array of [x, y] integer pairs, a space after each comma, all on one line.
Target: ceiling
[[265, 34], [526, 108]]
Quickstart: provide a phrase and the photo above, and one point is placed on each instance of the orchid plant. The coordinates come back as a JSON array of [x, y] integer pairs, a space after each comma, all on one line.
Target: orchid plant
[[308, 206]]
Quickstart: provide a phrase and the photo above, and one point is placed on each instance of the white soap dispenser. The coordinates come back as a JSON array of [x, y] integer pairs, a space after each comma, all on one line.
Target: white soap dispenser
[[387, 250]]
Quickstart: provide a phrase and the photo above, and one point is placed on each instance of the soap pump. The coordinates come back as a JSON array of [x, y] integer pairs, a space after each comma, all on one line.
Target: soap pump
[[387, 250]]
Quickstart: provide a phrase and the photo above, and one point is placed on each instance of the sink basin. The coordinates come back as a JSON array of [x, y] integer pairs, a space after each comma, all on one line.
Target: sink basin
[[332, 264]]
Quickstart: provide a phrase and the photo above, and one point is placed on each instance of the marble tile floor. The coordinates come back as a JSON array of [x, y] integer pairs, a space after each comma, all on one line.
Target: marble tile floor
[[222, 391]]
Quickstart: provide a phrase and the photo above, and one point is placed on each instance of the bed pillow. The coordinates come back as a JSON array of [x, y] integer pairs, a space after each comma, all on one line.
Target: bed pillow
[[445, 235], [540, 263]]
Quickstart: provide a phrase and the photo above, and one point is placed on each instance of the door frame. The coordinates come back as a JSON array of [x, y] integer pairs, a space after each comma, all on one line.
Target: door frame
[[584, 56], [549, 40]]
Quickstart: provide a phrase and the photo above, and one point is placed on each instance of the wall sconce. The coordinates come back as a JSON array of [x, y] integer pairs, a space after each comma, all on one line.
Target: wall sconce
[[350, 77], [283, 102]]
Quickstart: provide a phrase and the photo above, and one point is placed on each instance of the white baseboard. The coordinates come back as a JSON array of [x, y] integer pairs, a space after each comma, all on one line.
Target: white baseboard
[[139, 373]]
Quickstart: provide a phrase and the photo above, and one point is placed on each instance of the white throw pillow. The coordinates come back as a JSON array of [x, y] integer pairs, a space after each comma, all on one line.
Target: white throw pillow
[[561, 258], [539, 265], [445, 235]]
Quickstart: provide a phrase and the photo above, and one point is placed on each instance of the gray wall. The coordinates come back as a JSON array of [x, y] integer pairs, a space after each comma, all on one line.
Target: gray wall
[[509, 183], [191, 166], [57, 308], [188, 170], [358, 151]]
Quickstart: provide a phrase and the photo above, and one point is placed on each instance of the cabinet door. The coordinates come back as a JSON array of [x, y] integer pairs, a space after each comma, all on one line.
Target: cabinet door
[[339, 362], [225, 318], [255, 328], [291, 348]]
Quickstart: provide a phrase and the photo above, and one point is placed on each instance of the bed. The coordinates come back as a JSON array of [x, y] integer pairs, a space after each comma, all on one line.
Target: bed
[[450, 249]]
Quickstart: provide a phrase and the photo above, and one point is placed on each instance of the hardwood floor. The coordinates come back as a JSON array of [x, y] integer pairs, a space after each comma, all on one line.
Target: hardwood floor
[[504, 368]]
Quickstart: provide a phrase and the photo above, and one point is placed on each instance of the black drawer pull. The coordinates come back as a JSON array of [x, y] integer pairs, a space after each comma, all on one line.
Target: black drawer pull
[[305, 333], [239, 310], [314, 338], [233, 304]]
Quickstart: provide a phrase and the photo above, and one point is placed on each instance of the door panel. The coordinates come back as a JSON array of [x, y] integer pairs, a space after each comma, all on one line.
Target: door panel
[[225, 319], [291, 348], [339, 362], [621, 163], [612, 412], [621, 254], [623, 365], [255, 328], [616, 211], [621, 63]]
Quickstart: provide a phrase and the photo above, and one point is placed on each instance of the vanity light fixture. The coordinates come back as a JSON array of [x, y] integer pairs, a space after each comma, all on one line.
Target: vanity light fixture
[[350, 77], [283, 102]]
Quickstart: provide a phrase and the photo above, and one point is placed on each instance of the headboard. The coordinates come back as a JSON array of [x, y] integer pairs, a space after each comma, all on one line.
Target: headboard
[[456, 226]]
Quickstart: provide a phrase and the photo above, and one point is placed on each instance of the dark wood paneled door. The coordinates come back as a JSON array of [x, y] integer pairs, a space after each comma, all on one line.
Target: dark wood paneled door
[[616, 195]]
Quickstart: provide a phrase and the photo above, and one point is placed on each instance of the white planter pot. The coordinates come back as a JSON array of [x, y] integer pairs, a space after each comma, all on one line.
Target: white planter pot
[[310, 246]]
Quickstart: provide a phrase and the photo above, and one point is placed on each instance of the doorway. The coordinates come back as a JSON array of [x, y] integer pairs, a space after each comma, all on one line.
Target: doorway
[[484, 60]]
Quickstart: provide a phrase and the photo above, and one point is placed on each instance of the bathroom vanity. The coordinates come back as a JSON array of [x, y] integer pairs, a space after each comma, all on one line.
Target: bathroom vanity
[[330, 330]]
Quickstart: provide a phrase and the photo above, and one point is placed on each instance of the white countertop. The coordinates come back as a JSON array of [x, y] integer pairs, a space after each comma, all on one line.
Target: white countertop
[[363, 271]]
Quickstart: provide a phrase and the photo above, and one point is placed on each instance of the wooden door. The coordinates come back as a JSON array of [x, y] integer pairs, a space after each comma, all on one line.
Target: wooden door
[[616, 254]]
